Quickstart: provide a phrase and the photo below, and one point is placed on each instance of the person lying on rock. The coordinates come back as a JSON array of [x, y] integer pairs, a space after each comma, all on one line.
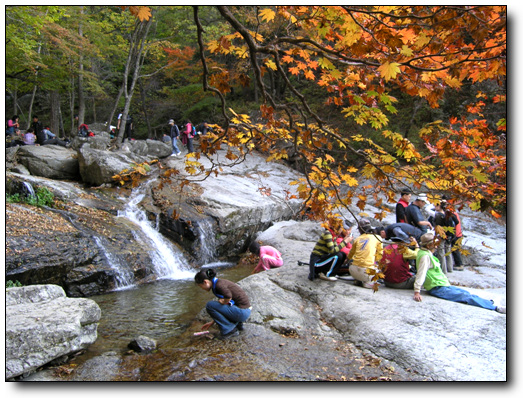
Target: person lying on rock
[[396, 265], [431, 277], [399, 232], [327, 256], [366, 251], [269, 257], [232, 307]]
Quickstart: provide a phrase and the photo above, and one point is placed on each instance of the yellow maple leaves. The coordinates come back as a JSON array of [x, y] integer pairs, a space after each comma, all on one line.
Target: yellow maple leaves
[[389, 70]]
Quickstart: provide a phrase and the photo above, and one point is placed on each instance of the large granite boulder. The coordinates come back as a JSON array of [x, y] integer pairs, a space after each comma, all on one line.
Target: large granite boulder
[[236, 203], [50, 161], [97, 166], [43, 325]]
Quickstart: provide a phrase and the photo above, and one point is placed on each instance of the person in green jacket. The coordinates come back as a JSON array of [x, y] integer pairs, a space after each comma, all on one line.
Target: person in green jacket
[[431, 277]]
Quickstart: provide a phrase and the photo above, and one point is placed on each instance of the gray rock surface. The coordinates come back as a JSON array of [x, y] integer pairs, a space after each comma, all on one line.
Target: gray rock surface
[[97, 166], [42, 325], [50, 161]]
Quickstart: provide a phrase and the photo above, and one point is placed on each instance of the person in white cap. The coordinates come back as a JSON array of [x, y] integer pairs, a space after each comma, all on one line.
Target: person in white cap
[[431, 277], [414, 216]]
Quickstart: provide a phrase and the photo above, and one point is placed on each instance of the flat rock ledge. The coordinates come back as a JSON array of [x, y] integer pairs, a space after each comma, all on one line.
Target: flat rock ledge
[[437, 339], [43, 325]]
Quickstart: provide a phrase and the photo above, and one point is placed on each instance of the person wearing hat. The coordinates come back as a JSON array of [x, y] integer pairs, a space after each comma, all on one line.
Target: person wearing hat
[[327, 256], [365, 252], [402, 205], [431, 277], [175, 133], [414, 216]]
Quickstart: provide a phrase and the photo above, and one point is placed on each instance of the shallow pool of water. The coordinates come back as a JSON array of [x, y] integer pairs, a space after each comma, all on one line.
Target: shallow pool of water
[[160, 310]]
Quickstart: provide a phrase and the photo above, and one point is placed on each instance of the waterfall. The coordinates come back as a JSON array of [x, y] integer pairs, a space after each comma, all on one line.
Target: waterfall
[[124, 277], [28, 190], [207, 241], [169, 262]]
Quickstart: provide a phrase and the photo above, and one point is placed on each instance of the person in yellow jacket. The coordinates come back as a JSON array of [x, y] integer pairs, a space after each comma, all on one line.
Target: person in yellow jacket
[[365, 253]]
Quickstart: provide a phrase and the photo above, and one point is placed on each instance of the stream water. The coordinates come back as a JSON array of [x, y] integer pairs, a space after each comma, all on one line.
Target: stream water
[[162, 309]]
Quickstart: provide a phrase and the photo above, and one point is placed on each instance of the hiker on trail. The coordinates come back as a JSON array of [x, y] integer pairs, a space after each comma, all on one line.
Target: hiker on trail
[[203, 128], [452, 219], [29, 137], [396, 265], [37, 128], [402, 205], [414, 216], [269, 257], [437, 219], [366, 251], [327, 256], [128, 126], [231, 309], [174, 133], [188, 135], [431, 277]]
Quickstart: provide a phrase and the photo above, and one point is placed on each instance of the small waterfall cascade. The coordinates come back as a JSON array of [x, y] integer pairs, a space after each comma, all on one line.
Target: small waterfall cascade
[[28, 189], [207, 242], [168, 260], [124, 277]]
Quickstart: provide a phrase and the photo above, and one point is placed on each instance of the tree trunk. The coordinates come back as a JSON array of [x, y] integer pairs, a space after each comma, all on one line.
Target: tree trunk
[[30, 114], [134, 61], [54, 100], [81, 98], [144, 110], [72, 97], [120, 92]]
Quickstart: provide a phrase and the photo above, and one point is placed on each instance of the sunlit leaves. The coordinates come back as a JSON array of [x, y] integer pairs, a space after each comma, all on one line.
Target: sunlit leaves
[[357, 55], [267, 14], [389, 70], [143, 13]]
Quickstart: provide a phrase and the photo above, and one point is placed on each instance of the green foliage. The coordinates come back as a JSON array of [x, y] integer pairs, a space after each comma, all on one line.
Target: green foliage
[[10, 283], [43, 197]]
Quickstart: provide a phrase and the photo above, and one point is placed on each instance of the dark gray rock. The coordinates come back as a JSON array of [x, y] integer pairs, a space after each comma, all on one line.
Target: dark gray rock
[[143, 344]]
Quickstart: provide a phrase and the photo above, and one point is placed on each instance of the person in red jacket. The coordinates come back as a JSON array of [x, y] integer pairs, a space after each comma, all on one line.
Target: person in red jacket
[[402, 204], [396, 265]]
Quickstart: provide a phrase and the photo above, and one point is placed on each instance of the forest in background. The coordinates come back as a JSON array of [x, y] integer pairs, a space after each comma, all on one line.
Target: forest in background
[[409, 96]]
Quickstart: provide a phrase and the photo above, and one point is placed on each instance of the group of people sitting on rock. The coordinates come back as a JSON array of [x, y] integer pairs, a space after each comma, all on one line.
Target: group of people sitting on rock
[[37, 134], [411, 239]]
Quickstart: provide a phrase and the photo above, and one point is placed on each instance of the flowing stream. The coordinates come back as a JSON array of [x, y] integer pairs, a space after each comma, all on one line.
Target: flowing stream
[[161, 309], [169, 261]]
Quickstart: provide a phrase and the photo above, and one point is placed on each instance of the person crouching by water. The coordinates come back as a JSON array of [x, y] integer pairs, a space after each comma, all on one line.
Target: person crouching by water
[[232, 308], [269, 257]]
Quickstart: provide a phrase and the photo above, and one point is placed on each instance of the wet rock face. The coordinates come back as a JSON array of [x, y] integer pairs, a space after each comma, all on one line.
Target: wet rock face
[[45, 325], [239, 202], [43, 247]]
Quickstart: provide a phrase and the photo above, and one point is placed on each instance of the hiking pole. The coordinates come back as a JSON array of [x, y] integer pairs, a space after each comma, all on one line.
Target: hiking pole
[[300, 263]]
